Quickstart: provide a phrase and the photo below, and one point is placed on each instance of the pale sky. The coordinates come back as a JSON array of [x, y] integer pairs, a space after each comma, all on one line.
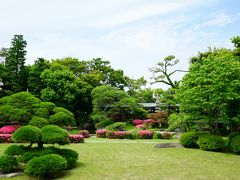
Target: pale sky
[[132, 34]]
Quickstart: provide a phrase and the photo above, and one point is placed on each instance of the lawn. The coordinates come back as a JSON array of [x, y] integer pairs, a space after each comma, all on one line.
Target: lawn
[[138, 159]]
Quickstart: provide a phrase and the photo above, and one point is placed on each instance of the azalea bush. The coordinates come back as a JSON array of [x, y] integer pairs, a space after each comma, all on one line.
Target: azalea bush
[[76, 138], [119, 135], [141, 126], [101, 133], [137, 122], [84, 133], [145, 134], [5, 138], [8, 129]]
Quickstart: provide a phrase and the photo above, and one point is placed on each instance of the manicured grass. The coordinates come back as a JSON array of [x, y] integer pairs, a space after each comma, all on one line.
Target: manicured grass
[[138, 159]]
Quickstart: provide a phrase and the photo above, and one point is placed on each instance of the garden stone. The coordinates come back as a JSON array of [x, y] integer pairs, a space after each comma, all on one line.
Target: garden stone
[[169, 145]]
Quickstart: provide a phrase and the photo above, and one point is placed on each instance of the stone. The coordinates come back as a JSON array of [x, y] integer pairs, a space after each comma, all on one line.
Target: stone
[[169, 145]]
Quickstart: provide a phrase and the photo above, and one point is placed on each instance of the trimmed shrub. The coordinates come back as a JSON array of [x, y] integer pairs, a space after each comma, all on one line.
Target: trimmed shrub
[[16, 150], [38, 122], [27, 134], [118, 126], [231, 136], [76, 138], [71, 157], [110, 134], [101, 133], [145, 134], [84, 133], [5, 138], [52, 134], [61, 119], [8, 129], [235, 144], [189, 139], [61, 109], [8, 163], [20, 115], [157, 135], [42, 112], [141, 126], [46, 166], [103, 124], [211, 143], [137, 122], [151, 123], [123, 135], [34, 152], [5, 113], [47, 105]]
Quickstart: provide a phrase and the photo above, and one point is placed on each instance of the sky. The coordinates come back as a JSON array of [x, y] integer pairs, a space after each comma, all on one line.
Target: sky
[[134, 35]]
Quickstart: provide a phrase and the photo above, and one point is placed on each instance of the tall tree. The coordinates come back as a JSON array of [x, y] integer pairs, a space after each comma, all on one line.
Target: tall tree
[[161, 72], [16, 77]]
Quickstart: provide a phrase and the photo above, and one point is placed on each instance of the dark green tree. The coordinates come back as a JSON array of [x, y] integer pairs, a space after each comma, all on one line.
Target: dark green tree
[[15, 79]]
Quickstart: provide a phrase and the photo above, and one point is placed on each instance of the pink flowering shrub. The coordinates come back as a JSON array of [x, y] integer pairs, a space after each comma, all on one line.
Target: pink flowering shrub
[[145, 134], [8, 129], [141, 126], [151, 122], [85, 133], [119, 135], [76, 138], [5, 138], [137, 122], [101, 133]]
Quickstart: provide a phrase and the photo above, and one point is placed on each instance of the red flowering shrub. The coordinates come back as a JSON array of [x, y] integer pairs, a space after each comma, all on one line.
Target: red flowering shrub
[[110, 134], [76, 138], [145, 134], [137, 122], [101, 133], [5, 138], [85, 133], [8, 129]]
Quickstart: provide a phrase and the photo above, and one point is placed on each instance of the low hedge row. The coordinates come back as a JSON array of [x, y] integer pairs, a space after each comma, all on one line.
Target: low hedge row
[[209, 142], [142, 134]]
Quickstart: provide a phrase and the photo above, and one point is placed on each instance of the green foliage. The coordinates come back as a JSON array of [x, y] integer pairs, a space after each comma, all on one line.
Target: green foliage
[[235, 144], [5, 113], [46, 166], [42, 112], [157, 135], [4, 100], [27, 134], [20, 115], [15, 150], [189, 139], [208, 90], [211, 143], [16, 76], [103, 124], [70, 155], [38, 122], [53, 134], [47, 105], [118, 126], [231, 136], [61, 119], [177, 121], [8, 163], [34, 152]]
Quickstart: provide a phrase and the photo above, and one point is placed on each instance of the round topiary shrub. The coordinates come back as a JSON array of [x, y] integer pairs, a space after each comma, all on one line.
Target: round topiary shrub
[[61, 119], [101, 133], [38, 122], [157, 135], [189, 139], [235, 144], [46, 166], [70, 155], [211, 143], [8, 163], [46, 105], [118, 126], [103, 124], [145, 134], [52, 134], [15, 150], [42, 112], [76, 138], [84, 133], [27, 134]]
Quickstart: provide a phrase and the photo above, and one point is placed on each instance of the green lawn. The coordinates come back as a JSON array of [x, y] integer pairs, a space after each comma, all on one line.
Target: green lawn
[[138, 159]]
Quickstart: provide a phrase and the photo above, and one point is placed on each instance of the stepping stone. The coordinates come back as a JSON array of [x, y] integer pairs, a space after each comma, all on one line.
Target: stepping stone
[[169, 145]]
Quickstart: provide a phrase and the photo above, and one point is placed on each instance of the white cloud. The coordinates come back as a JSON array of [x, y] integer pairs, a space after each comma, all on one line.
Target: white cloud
[[218, 20]]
